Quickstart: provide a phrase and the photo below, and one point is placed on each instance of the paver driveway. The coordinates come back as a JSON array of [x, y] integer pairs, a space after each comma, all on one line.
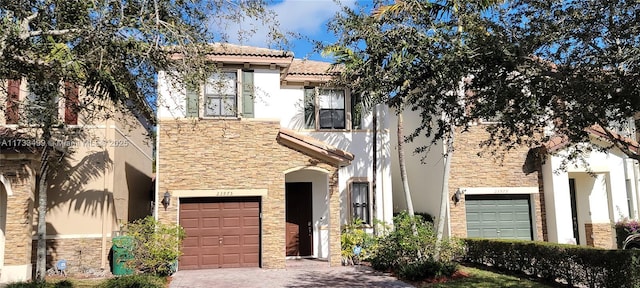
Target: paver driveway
[[349, 276]]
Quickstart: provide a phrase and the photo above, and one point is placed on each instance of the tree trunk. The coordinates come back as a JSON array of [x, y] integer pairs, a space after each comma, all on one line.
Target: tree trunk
[[403, 168], [41, 252], [444, 197]]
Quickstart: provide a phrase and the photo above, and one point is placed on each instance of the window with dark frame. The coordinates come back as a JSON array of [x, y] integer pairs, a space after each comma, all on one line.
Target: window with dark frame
[[220, 95], [330, 106], [360, 201]]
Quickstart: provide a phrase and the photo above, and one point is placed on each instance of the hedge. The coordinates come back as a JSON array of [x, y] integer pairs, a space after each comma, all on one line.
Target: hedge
[[571, 264]]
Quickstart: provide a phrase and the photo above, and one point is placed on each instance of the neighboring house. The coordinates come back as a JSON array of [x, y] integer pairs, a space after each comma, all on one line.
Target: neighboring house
[[266, 161], [524, 195], [103, 182]]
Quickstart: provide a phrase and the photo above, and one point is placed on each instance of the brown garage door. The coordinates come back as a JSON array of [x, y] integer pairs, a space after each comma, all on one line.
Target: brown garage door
[[220, 232]]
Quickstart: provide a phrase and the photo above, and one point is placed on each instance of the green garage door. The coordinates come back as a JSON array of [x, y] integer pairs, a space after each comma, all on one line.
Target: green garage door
[[499, 216]]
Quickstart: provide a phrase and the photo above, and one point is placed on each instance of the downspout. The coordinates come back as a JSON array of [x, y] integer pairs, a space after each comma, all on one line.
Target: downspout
[[105, 154], [375, 168], [636, 182]]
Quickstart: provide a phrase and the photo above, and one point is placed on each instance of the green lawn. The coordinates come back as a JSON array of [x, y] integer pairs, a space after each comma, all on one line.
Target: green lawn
[[485, 279]]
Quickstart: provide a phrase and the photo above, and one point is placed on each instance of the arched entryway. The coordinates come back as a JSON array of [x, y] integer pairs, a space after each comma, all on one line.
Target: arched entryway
[[307, 213]]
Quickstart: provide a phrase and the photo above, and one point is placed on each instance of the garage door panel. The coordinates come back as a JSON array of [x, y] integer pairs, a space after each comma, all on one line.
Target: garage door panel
[[234, 220], [252, 240], [231, 240], [231, 222], [210, 221], [189, 223], [231, 206], [210, 241], [250, 221]]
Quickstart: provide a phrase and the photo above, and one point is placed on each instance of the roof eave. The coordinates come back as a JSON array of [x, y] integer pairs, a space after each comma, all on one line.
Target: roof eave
[[331, 155]]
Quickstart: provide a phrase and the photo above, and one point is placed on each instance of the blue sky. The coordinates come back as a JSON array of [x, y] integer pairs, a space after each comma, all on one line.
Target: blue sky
[[305, 17]]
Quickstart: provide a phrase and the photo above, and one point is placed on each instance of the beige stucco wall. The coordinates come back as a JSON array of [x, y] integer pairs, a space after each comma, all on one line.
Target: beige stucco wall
[[107, 169], [239, 154]]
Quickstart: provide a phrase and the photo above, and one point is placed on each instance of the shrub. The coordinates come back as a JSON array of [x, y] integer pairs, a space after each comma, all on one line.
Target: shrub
[[624, 228], [577, 265], [36, 284], [412, 254], [427, 269], [156, 246], [28, 285], [135, 281], [352, 235]]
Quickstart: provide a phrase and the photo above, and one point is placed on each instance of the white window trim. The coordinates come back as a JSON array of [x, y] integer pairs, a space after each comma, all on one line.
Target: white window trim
[[202, 98]]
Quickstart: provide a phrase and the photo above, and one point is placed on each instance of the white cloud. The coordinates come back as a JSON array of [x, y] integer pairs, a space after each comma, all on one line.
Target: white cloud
[[305, 17]]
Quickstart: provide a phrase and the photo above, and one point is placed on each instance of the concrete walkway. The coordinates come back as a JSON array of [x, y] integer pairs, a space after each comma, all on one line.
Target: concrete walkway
[[301, 276]]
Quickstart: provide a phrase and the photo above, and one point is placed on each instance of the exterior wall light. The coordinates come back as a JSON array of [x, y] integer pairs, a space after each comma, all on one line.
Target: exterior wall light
[[166, 200], [457, 196]]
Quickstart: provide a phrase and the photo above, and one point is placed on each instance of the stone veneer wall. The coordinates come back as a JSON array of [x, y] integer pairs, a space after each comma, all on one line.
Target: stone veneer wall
[[239, 154], [83, 255], [18, 229], [470, 170], [599, 235]]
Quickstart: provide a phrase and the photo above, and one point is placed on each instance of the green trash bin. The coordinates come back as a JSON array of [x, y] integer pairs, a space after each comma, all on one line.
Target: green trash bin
[[122, 246]]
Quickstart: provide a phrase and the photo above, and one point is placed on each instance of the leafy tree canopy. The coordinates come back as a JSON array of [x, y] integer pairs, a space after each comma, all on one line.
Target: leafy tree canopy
[[114, 46], [539, 69]]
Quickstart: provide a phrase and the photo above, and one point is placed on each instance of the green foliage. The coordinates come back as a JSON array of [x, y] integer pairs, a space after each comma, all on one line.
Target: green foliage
[[41, 284], [135, 281], [576, 265], [412, 254], [624, 228], [429, 268], [156, 246], [35, 284], [352, 235], [522, 64], [115, 50]]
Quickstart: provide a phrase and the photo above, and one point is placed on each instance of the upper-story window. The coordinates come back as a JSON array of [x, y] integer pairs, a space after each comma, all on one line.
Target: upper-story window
[[325, 108], [26, 107], [221, 96]]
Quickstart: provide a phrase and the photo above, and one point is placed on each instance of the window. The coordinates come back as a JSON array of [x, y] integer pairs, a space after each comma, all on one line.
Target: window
[[330, 112], [220, 95], [360, 201]]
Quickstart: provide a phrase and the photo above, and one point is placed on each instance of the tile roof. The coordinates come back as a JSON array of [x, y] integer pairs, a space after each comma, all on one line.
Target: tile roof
[[310, 67], [558, 142], [239, 50], [314, 147]]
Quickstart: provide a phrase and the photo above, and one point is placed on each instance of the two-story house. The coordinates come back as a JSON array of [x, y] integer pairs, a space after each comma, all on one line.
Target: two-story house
[[265, 161], [525, 195], [103, 181]]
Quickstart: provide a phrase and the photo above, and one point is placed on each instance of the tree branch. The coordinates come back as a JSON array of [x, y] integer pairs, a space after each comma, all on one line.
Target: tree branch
[[27, 34]]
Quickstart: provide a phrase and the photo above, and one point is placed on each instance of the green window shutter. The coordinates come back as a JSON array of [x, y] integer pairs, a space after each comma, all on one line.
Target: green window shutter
[[309, 108], [247, 94], [192, 103]]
